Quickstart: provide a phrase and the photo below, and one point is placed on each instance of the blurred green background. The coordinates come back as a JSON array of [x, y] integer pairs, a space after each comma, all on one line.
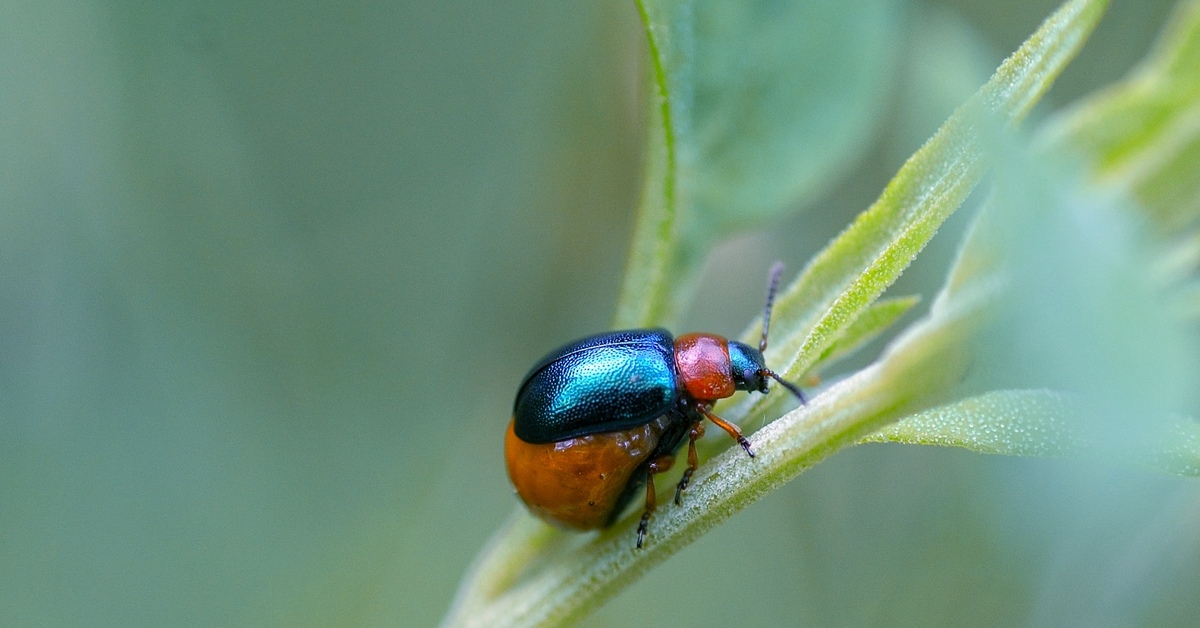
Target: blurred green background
[[269, 274]]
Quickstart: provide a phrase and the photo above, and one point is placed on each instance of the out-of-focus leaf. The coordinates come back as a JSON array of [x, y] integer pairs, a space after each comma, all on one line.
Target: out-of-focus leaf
[[756, 107], [1179, 450], [1180, 261], [1082, 310], [1190, 302], [1143, 134], [786, 94]]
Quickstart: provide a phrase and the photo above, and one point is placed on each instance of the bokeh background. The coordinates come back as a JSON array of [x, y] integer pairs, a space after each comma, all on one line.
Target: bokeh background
[[270, 273]]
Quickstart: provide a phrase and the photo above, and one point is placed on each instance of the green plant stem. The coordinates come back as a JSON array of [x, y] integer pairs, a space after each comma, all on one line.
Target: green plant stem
[[645, 293], [572, 579]]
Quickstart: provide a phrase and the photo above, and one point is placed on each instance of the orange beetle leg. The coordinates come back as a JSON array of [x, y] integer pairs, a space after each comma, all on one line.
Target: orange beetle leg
[[696, 433], [658, 465], [729, 428]]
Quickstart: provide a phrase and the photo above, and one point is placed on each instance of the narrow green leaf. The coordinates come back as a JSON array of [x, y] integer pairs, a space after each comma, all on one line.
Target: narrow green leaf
[[1143, 134], [1010, 422], [646, 289], [1041, 423], [845, 278], [875, 320]]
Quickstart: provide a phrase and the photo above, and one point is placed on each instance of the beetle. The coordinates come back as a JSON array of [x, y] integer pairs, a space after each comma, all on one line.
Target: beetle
[[597, 418]]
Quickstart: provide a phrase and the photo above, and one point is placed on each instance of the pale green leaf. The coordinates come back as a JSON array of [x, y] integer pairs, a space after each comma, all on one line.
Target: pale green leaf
[[1010, 422], [872, 322], [1040, 423]]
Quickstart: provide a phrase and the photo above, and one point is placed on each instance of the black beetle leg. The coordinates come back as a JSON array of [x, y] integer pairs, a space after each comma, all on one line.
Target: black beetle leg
[[697, 432], [658, 465], [729, 428]]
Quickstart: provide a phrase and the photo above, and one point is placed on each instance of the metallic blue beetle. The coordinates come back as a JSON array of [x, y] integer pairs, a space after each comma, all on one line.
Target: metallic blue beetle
[[597, 418]]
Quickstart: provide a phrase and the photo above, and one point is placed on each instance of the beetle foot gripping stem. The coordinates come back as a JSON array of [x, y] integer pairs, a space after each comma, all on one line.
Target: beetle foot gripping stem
[[695, 434], [658, 465], [683, 484]]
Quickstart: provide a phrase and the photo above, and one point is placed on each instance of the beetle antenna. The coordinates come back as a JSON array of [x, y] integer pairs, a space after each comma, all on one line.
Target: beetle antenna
[[772, 284], [794, 389]]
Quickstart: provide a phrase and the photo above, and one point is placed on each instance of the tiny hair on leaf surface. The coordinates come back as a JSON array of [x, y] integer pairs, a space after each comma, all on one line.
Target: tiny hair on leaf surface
[[1040, 423]]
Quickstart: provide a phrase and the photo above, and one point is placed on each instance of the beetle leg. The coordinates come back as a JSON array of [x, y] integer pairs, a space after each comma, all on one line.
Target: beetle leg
[[729, 428], [658, 465], [697, 433]]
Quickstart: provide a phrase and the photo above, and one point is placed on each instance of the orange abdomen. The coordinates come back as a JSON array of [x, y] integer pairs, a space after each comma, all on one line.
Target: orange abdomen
[[579, 482]]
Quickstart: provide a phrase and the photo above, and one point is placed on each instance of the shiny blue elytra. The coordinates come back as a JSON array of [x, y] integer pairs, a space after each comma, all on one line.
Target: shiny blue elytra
[[603, 383], [644, 389]]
